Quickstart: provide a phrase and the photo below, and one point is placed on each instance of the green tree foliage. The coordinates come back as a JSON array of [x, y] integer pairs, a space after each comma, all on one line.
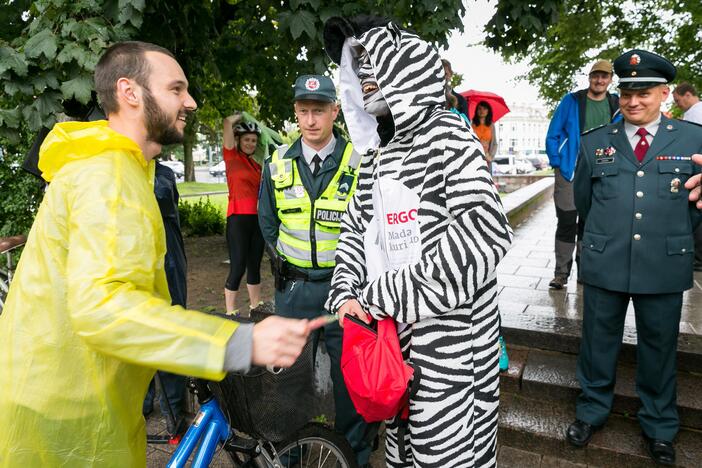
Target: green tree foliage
[[237, 54], [20, 192], [234, 48], [48, 53], [577, 32]]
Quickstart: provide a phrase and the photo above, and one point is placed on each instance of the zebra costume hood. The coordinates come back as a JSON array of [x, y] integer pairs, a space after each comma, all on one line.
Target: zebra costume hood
[[420, 242], [398, 79]]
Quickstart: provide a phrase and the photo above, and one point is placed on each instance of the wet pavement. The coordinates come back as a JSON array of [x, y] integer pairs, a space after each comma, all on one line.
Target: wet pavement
[[527, 269]]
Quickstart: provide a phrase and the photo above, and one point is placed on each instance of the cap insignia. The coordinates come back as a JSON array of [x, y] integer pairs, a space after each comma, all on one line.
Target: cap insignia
[[312, 84]]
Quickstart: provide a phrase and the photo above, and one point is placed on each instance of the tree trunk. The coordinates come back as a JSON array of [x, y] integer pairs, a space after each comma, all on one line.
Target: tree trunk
[[189, 139]]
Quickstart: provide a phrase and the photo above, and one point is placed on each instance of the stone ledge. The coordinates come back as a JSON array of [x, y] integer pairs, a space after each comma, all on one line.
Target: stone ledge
[[520, 203], [562, 334]]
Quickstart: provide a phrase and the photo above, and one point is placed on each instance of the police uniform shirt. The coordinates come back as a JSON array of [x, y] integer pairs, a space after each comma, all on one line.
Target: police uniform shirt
[[308, 152], [631, 130]]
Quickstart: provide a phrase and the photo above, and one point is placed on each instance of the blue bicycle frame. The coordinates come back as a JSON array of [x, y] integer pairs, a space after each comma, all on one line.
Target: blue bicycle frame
[[210, 425]]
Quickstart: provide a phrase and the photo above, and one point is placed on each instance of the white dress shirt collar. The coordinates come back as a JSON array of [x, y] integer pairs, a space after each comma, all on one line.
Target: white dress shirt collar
[[309, 152], [631, 129]]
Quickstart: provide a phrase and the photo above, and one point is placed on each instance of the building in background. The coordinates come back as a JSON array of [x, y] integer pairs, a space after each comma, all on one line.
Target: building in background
[[523, 130]]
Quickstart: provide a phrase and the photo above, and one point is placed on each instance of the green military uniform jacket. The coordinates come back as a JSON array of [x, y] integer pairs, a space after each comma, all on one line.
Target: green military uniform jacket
[[639, 222], [267, 209]]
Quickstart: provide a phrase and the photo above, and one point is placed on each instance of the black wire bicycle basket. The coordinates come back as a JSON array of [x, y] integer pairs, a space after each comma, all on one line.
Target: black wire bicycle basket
[[269, 405]]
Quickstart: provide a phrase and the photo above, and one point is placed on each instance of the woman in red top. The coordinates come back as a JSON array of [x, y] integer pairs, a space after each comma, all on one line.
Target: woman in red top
[[244, 237]]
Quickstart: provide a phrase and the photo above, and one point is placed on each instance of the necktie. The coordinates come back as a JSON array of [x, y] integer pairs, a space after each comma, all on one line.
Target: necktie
[[642, 145], [316, 164]]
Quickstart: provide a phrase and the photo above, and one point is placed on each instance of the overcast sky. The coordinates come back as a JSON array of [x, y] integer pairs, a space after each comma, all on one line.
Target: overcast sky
[[484, 70], [481, 68]]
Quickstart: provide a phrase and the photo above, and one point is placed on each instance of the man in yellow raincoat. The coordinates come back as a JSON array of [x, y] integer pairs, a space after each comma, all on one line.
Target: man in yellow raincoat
[[88, 317]]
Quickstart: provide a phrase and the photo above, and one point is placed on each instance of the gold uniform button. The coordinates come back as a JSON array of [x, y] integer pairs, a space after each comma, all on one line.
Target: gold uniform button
[[637, 236], [639, 216], [640, 173], [639, 194]]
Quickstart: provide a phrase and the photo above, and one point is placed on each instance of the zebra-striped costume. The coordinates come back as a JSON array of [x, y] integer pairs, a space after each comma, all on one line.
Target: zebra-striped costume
[[432, 268]]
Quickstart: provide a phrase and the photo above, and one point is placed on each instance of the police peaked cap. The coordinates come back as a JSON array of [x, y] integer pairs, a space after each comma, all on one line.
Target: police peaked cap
[[641, 69]]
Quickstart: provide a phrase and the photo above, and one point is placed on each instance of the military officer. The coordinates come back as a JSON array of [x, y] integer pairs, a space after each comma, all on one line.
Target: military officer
[[304, 192], [638, 245]]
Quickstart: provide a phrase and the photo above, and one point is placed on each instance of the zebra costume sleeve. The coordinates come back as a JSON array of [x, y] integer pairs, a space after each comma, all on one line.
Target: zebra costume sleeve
[[350, 270]]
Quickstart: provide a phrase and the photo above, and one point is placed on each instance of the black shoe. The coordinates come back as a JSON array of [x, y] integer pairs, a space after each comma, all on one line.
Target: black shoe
[[579, 433], [558, 282], [661, 451]]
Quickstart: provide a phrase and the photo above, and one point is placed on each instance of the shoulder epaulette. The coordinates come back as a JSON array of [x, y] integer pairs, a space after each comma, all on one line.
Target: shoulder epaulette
[[689, 122], [593, 129]]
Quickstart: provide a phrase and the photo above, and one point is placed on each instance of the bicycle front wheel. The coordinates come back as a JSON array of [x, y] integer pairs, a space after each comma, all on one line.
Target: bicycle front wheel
[[316, 445]]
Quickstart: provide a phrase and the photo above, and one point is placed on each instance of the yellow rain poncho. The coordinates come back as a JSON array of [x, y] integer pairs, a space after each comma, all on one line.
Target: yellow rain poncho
[[88, 317]]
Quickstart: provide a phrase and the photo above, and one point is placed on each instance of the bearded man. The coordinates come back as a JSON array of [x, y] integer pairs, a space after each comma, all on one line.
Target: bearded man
[[88, 316], [421, 240]]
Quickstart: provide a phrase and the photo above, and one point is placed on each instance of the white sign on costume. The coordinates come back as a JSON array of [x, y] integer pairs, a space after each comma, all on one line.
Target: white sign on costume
[[393, 238]]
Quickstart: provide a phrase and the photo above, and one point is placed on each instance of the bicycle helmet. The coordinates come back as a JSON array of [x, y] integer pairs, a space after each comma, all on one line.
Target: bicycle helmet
[[247, 127]]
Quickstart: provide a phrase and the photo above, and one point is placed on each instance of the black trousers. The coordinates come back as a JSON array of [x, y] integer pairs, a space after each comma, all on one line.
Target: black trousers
[[245, 243], [305, 299], [657, 324]]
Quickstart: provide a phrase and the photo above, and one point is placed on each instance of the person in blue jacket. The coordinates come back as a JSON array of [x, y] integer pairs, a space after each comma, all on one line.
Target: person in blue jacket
[[577, 112]]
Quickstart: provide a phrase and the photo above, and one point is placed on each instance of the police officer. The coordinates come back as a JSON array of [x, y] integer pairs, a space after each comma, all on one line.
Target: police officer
[[637, 245], [304, 192]]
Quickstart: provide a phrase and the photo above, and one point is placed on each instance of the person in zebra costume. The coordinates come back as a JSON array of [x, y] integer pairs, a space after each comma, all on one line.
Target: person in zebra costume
[[421, 239]]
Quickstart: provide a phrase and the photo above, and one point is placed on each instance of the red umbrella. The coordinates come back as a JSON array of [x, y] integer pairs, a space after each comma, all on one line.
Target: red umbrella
[[497, 103]]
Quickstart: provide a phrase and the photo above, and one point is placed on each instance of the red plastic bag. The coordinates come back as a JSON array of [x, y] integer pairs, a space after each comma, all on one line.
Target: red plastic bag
[[376, 376]]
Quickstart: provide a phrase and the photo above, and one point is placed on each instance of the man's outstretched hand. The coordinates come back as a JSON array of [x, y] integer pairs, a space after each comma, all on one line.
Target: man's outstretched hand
[[694, 184], [278, 341]]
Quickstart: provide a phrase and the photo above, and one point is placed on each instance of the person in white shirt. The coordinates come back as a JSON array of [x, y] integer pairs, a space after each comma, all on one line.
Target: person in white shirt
[[686, 98]]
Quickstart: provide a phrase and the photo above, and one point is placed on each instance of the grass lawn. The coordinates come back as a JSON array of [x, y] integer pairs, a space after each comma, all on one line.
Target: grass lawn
[[192, 188], [189, 188]]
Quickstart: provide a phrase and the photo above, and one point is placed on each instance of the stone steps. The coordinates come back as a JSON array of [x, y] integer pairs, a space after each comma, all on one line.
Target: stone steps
[[538, 425], [510, 457], [551, 376], [554, 333]]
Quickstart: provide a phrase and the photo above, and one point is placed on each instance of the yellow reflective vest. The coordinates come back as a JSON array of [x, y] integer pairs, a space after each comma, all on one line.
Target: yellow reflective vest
[[88, 317], [309, 229]]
